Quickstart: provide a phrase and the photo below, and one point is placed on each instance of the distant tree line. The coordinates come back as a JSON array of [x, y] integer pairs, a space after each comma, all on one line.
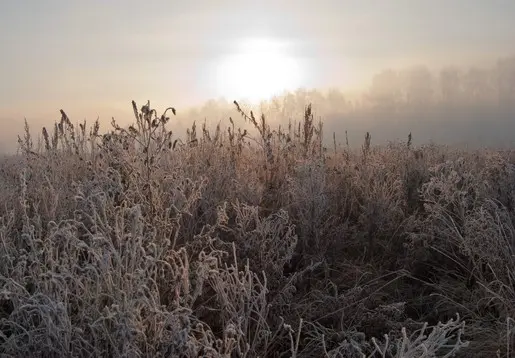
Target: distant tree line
[[454, 105]]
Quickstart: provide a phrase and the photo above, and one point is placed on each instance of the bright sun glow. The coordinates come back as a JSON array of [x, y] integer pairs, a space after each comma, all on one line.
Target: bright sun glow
[[259, 69]]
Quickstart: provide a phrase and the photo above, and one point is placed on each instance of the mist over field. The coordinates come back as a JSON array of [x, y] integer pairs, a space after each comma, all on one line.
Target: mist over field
[[237, 179], [457, 106]]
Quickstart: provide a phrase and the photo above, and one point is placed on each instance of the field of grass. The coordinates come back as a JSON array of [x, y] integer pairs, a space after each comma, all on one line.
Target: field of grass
[[252, 243]]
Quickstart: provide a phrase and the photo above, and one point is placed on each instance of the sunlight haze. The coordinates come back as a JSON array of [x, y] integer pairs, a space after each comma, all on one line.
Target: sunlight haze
[[257, 69]]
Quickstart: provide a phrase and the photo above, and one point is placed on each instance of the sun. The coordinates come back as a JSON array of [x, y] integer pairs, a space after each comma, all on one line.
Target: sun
[[259, 69]]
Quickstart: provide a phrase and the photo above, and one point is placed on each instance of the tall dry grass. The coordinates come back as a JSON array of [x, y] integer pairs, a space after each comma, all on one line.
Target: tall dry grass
[[252, 242]]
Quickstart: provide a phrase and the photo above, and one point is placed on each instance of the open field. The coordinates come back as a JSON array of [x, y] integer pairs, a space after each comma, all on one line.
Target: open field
[[258, 243]]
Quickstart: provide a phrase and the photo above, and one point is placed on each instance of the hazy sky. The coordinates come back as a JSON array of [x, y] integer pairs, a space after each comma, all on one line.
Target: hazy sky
[[92, 57]]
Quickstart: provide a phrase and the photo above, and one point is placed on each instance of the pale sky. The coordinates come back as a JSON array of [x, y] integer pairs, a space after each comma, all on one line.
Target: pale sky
[[93, 57]]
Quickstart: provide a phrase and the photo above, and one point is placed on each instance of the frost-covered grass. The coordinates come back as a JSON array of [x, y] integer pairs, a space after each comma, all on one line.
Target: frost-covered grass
[[253, 242]]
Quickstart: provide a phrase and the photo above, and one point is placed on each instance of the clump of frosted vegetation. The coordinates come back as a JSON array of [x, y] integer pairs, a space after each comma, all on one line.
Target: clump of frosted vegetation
[[252, 242]]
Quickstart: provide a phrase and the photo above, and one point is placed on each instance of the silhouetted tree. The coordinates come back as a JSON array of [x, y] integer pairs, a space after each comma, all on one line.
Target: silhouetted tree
[[385, 92], [419, 86], [477, 86], [505, 74], [336, 100], [451, 90]]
